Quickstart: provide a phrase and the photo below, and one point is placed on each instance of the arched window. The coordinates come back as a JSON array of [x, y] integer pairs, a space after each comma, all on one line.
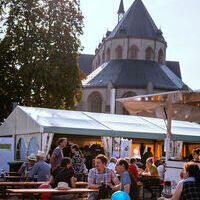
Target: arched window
[[118, 52], [95, 102], [133, 52], [160, 56], [33, 146], [128, 94], [149, 53], [21, 150], [108, 54]]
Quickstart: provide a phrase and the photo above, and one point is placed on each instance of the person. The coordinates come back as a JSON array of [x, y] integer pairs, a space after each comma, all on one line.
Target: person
[[100, 174], [133, 169], [27, 166], [161, 169], [128, 183], [78, 162], [64, 173], [41, 169], [151, 169], [196, 154], [112, 164], [189, 188], [57, 154], [145, 156]]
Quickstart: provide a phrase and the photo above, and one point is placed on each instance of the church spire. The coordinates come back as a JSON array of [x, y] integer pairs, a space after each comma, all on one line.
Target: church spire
[[121, 11]]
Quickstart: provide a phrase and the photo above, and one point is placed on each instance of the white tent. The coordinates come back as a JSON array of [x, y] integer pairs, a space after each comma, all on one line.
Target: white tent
[[33, 128]]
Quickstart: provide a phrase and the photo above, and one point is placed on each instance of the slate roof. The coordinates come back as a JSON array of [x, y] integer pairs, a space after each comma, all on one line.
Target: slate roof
[[138, 23], [85, 63], [175, 67], [134, 74], [121, 8]]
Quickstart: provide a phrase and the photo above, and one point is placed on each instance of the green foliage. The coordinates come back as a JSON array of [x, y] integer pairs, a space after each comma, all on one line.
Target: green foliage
[[38, 54]]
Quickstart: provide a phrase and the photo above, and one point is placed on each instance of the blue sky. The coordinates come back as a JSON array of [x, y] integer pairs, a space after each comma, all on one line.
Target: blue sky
[[178, 19]]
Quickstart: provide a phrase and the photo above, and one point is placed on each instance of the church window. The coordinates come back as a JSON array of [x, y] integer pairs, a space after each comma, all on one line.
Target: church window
[[160, 56], [133, 51], [149, 53], [118, 52], [108, 54], [98, 61], [95, 102], [128, 94]]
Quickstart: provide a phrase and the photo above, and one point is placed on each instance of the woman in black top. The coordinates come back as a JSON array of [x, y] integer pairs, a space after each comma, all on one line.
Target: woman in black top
[[64, 173]]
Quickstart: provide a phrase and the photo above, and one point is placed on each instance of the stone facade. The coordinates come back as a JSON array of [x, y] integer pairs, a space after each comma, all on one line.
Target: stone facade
[[126, 43]]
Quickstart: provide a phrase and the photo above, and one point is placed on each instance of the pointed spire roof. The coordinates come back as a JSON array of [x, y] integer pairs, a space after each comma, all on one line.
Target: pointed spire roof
[[138, 23], [121, 8]]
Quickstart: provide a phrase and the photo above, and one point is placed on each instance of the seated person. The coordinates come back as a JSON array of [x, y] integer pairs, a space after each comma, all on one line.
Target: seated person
[[189, 188], [133, 169], [128, 183], [64, 173], [27, 166], [151, 169], [100, 174], [41, 169], [112, 164], [196, 154]]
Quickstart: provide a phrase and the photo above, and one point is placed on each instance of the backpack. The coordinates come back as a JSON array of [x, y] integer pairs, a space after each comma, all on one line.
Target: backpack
[[134, 190]]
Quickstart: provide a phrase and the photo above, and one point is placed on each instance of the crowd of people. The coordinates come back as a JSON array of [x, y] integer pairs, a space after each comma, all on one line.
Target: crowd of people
[[122, 174]]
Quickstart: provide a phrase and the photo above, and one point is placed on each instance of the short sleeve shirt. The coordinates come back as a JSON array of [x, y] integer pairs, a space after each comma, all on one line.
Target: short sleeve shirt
[[125, 179], [59, 156], [42, 170], [97, 178]]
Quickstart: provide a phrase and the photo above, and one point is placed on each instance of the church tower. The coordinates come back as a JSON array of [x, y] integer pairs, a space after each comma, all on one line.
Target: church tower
[[121, 11]]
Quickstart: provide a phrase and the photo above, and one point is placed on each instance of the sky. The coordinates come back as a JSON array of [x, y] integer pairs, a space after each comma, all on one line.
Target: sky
[[179, 21]]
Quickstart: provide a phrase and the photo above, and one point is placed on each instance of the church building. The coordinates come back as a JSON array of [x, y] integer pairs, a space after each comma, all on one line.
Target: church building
[[130, 61]]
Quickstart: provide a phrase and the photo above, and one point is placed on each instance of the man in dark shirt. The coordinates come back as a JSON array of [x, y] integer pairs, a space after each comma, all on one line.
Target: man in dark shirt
[[57, 155], [147, 155]]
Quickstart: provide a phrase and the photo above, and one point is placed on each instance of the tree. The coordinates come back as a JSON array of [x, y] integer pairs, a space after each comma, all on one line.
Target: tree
[[43, 38]]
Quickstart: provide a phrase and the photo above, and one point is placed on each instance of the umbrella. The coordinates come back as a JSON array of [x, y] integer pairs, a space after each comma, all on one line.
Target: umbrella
[[175, 105]]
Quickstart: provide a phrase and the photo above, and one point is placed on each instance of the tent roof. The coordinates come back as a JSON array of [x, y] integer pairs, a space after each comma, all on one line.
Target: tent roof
[[26, 120]]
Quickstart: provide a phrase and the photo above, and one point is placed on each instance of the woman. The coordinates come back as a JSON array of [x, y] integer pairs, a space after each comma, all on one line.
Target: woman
[[64, 173], [151, 169], [196, 155], [78, 162], [189, 188]]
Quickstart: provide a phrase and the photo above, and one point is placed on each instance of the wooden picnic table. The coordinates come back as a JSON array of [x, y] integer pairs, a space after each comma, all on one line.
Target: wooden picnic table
[[36, 192], [4, 185]]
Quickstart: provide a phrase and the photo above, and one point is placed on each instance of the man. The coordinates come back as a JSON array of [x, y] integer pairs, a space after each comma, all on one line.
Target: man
[[41, 169], [147, 155], [57, 155], [112, 164], [128, 183], [100, 174]]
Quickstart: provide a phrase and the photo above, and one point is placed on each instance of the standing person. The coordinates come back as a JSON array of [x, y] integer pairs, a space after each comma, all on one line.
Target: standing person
[[145, 156], [189, 188], [41, 169], [196, 154], [57, 154], [128, 183], [161, 169], [100, 175], [133, 169], [78, 162]]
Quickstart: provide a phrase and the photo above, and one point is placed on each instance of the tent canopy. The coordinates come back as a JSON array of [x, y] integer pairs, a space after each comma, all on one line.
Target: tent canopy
[[29, 120]]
